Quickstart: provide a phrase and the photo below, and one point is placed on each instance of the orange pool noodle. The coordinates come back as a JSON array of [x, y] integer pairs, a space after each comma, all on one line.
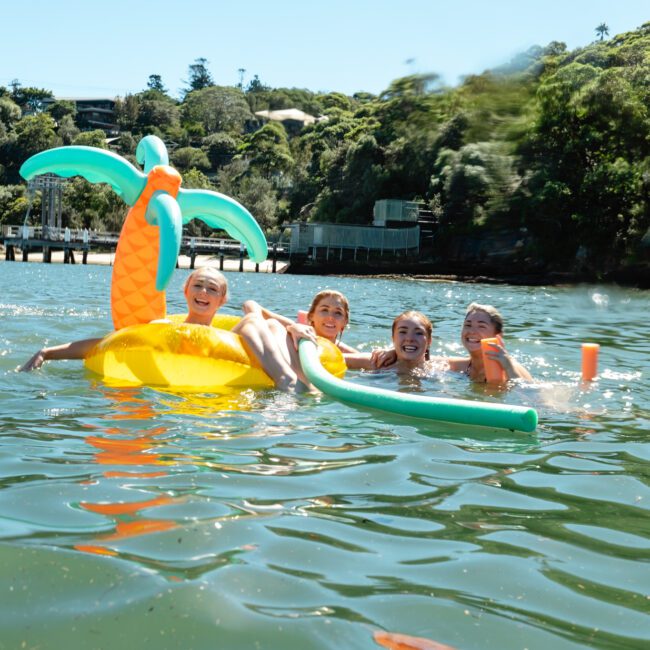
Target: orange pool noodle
[[589, 361], [302, 317], [494, 373]]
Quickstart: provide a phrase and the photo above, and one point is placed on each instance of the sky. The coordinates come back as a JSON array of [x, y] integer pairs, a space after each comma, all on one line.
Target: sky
[[86, 48]]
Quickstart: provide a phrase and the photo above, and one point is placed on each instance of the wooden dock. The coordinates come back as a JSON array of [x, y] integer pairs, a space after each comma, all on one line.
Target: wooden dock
[[25, 240]]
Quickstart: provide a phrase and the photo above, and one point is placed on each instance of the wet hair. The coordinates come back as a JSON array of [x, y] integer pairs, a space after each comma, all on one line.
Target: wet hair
[[213, 273], [329, 293], [493, 313], [416, 315]]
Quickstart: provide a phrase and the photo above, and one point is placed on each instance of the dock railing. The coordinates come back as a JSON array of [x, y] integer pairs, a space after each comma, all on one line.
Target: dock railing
[[30, 238]]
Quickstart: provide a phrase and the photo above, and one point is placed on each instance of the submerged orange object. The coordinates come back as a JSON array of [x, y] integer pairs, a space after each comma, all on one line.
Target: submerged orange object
[[589, 361], [395, 641], [134, 298]]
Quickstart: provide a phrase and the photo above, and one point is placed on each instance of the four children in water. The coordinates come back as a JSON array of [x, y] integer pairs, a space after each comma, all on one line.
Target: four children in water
[[273, 338]]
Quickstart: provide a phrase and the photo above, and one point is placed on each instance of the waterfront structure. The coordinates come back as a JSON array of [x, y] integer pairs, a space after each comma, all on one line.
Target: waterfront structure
[[325, 241], [92, 112]]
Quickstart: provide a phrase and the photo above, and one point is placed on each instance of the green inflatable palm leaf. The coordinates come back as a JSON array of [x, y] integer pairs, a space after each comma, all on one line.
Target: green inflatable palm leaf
[[220, 211], [95, 165]]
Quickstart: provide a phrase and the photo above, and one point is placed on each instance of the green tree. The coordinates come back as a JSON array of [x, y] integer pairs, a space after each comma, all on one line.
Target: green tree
[[96, 138], [475, 184], [260, 199], [126, 112], [92, 206], [602, 30], [186, 158], [155, 82], [9, 112], [252, 191], [29, 99], [336, 100], [217, 108], [67, 130], [220, 148], [256, 86], [200, 76], [13, 204], [162, 113], [33, 133], [126, 144], [267, 150], [195, 179], [61, 108]]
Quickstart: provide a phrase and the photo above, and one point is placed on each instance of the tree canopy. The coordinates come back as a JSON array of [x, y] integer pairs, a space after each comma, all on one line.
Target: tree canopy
[[556, 144]]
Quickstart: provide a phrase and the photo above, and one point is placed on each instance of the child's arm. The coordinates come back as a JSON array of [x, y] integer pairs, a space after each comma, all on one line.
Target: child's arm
[[73, 350], [358, 361], [346, 349]]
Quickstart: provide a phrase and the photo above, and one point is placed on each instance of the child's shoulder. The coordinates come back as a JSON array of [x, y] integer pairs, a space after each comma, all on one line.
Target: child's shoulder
[[456, 364]]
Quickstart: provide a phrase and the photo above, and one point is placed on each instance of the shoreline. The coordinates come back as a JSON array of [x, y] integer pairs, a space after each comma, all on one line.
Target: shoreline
[[106, 259], [636, 278]]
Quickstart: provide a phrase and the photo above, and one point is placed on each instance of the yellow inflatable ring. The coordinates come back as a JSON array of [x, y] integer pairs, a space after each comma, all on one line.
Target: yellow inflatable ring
[[180, 356]]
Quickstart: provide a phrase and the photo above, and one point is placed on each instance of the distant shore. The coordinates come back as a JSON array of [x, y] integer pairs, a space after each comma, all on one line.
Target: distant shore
[[106, 259]]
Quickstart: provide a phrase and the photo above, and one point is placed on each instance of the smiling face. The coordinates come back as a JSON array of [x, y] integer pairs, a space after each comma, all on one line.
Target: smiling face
[[329, 316], [205, 291], [412, 337], [477, 325]]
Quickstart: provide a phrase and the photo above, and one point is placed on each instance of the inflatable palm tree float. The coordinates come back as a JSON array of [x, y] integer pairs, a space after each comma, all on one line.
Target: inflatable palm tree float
[[151, 235]]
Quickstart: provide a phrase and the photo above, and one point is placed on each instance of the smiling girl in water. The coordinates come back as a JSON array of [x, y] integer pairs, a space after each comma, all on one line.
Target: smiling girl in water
[[328, 315], [205, 289], [480, 322], [274, 338], [411, 332]]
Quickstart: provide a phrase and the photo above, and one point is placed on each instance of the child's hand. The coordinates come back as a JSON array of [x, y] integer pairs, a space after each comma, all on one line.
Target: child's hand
[[383, 357], [35, 362], [299, 331], [498, 353]]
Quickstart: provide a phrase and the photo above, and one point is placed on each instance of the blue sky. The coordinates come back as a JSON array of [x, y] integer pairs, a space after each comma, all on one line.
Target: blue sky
[[89, 48]]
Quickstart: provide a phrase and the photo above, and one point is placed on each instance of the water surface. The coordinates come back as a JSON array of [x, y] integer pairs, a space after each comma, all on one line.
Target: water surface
[[142, 518]]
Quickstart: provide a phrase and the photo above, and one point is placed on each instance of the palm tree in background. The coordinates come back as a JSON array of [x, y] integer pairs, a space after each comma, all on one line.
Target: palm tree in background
[[602, 30]]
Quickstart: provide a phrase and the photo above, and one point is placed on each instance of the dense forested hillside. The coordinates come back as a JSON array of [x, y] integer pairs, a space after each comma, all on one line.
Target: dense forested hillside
[[555, 145]]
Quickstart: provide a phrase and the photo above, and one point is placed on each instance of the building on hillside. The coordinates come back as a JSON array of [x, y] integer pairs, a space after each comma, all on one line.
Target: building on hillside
[[92, 112], [293, 119]]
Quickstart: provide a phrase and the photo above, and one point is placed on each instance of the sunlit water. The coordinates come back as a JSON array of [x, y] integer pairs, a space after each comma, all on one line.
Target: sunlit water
[[135, 518]]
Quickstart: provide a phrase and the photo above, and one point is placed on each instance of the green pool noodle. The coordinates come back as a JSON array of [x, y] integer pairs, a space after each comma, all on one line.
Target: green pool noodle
[[459, 411]]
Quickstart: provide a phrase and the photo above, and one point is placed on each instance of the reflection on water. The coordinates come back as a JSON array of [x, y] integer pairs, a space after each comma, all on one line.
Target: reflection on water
[[258, 519]]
